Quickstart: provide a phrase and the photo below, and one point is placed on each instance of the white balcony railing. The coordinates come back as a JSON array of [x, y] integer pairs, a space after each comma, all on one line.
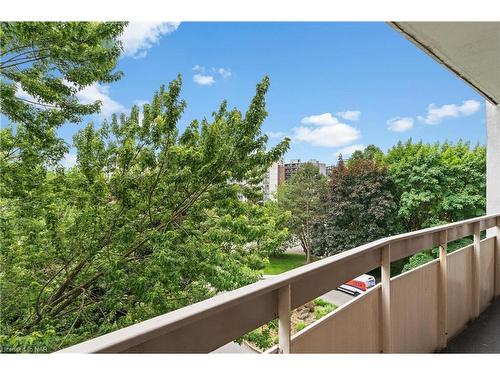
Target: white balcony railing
[[416, 311]]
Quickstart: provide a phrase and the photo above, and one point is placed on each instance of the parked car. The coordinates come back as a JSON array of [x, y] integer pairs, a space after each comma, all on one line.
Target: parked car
[[358, 285]]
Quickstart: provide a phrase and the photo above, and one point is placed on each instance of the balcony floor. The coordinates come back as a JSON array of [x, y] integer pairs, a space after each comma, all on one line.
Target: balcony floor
[[481, 336]]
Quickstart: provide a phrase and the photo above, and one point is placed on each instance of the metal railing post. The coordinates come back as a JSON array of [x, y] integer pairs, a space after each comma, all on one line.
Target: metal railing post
[[284, 313]]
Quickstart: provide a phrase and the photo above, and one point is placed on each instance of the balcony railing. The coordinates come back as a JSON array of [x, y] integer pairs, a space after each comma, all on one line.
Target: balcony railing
[[417, 311]]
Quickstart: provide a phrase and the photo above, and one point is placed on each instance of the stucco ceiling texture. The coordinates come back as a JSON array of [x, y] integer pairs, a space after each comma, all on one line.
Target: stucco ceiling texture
[[469, 49]]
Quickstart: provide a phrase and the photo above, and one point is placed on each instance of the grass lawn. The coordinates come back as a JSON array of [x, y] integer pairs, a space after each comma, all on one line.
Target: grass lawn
[[284, 262]]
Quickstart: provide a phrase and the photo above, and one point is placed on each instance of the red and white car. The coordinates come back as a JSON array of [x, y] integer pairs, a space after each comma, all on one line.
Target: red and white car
[[358, 285]]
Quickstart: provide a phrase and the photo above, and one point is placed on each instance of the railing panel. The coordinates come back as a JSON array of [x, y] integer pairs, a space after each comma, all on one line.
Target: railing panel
[[213, 331], [355, 327], [322, 281], [409, 246], [202, 331], [414, 310], [460, 231], [459, 289], [487, 279], [207, 325], [352, 328], [489, 222]]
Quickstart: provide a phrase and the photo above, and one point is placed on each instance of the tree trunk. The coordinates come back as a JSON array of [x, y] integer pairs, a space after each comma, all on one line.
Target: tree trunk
[[306, 248]]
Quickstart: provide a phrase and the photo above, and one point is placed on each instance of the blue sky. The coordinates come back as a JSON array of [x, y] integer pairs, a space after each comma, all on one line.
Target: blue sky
[[334, 86]]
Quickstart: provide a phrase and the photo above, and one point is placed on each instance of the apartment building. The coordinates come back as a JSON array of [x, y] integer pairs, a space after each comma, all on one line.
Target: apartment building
[[272, 180], [291, 168], [280, 172]]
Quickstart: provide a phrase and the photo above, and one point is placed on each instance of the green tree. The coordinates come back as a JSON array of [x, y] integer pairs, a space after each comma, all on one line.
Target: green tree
[[42, 67], [44, 64], [437, 183], [371, 152], [359, 207], [417, 260], [301, 196], [149, 220]]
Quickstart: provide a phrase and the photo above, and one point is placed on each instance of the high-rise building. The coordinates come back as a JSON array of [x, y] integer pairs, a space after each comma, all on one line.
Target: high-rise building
[[329, 169], [291, 168], [272, 180], [321, 166], [280, 172]]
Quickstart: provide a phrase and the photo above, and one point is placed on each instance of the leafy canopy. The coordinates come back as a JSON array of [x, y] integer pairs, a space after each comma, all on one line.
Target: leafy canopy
[[301, 196], [359, 207], [149, 220], [44, 64], [437, 183]]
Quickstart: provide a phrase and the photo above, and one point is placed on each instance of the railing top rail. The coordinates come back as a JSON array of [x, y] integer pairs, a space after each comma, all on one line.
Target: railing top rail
[[162, 324]]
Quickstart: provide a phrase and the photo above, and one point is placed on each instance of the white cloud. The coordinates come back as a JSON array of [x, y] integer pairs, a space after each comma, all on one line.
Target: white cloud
[[326, 131], [68, 161], [327, 136], [272, 134], [349, 150], [321, 120], [204, 80], [349, 115], [206, 76], [436, 114], [225, 73], [95, 92], [138, 37], [400, 124]]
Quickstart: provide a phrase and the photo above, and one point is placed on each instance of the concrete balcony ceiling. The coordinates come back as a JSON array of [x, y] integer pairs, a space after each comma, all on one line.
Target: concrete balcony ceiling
[[471, 50]]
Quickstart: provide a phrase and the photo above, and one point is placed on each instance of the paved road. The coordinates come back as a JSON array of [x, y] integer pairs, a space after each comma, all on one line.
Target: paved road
[[336, 297]]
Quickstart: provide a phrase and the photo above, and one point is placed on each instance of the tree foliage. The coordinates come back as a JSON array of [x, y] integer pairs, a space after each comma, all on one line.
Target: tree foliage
[[42, 67], [371, 152], [359, 207], [44, 64], [301, 196], [417, 260], [149, 220], [437, 183]]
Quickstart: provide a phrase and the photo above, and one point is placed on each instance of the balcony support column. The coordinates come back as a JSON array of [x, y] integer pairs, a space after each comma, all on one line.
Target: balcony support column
[[493, 180], [497, 261], [476, 272], [386, 331], [284, 313], [492, 160], [443, 289]]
